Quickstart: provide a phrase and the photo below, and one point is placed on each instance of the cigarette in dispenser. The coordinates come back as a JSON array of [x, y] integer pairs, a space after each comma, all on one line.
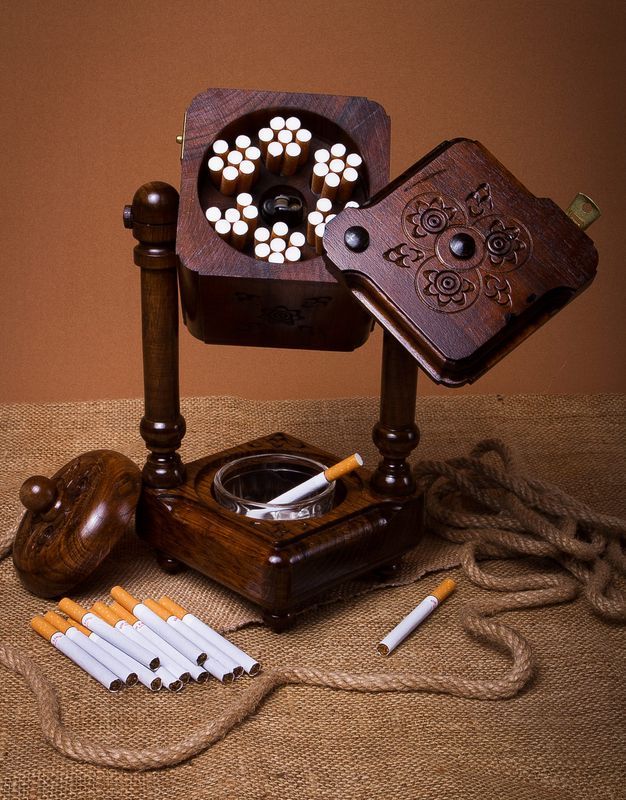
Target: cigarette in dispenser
[[354, 160], [217, 663], [242, 143], [250, 216], [277, 124], [220, 148], [312, 221], [418, 615], [331, 184], [83, 640], [243, 200], [336, 165], [329, 218], [266, 135], [222, 228], [250, 665], [125, 624], [279, 230], [216, 167], [234, 158], [291, 161], [319, 238], [262, 251], [155, 623], [318, 175], [246, 175], [293, 124], [338, 150], [348, 182], [262, 236], [253, 154], [321, 156], [274, 157], [110, 634], [228, 183], [351, 204], [213, 214], [297, 239], [303, 138], [285, 137], [239, 234], [276, 258], [76, 654], [293, 254], [324, 205], [232, 215], [278, 246], [319, 481]]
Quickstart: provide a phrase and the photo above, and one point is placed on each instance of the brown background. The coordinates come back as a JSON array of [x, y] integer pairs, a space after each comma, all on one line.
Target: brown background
[[94, 96]]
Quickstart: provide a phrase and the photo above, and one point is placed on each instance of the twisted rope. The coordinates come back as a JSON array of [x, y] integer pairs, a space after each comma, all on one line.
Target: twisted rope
[[483, 502]]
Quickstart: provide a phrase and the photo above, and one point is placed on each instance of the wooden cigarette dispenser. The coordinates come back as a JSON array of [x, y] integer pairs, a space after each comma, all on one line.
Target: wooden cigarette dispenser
[[457, 261]]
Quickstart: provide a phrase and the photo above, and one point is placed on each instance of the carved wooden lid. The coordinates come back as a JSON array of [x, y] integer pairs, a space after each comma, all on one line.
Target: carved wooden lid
[[459, 261], [73, 520]]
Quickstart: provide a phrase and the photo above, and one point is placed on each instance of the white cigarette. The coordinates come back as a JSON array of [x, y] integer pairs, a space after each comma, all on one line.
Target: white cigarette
[[213, 213], [319, 481], [216, 166], [321, 156], [109, 633], [234, 158], [318, 174], [266, 135], [239, 234], [222, 228], [354, 160], [262, 251], [292, 123], [303, 138], [76, 654], [418, 615], [261, 235], [173, 661], [242, 143], [280, 230], [348, 182], [337, 165], [220, 147], [274, 157], [173, 677], [228, 184], [250, 665], [151, 680], [297, 239], [232, 215], [293, 254], [324, 205], [351, 204], [250, 214], [312, 221], [319, 238], [277, 124], [243, 200], [338, 150], [278, 245], [253, 154], [276, 258], [246, 175], [331, 184], [285, 137], [156, 624], [291, 162]]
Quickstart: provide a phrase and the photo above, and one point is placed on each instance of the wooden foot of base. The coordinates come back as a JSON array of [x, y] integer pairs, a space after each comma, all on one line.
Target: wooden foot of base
[[386, 572], [279, 622], [169, 564]]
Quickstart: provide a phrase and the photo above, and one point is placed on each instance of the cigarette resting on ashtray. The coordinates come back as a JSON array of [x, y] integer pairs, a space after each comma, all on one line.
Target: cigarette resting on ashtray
[[318, 481]]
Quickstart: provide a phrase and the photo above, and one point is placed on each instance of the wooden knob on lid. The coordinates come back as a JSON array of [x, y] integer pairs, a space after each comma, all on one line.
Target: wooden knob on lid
[[38, 494]]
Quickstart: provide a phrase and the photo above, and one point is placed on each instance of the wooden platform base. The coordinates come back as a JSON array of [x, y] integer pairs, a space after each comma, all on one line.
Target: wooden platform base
[[283, 567]]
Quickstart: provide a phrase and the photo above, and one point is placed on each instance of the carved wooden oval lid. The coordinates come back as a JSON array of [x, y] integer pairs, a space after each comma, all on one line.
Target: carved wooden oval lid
[[459, 261], [73, 520]]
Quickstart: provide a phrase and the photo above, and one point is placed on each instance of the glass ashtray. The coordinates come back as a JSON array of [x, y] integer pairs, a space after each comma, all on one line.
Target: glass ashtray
[[247, 484]]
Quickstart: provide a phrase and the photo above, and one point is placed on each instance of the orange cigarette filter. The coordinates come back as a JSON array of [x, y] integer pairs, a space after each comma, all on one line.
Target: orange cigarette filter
[[174, 608], [72, 609], [343, 467], [124, 598], [43, 627], [445, 589], [59, 622], [157, 608], [122, 613], [105, 613]]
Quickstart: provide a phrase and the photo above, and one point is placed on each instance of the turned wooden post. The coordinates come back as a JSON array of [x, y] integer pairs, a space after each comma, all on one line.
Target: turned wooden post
[[153, 216], [396, 435]]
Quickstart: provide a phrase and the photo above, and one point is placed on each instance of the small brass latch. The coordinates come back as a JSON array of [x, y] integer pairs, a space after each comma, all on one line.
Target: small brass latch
[[583, 211]]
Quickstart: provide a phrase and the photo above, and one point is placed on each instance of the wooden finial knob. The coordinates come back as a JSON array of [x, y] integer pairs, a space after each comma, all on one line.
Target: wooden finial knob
[[38, 494]]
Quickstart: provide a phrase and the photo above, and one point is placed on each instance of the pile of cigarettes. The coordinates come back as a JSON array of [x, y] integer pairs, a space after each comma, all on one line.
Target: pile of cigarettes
[[158, 644], [283, 148]]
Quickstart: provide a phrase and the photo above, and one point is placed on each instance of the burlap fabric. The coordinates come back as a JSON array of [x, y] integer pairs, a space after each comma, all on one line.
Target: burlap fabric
[[561, 737]]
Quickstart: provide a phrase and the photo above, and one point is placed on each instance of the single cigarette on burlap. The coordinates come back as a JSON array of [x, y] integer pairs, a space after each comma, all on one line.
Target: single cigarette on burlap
[[262, 235], [216, 167], [76, 654], [303, 138], [229, 180], [217, 663], [250, 215], [232, 215], [318, 174], [242, 143], [331, 184], [274, 157], [220, 148], [213, 214], [349, 179], [319, 481], [266, 135], [291, 161], [145, 656], [280, 230], [276, 258], [243, 200], [319, 238], [246, 175], [312, 221], [250, 665], [297, 239], [262, 251], [418, 615], [150, 679], [222, 228], [83, 639], [293, 254], [293, 123], [354, 160], [277, 124], [147, 615], [125, 626], [336, 165], [239, 234], [338, 150]]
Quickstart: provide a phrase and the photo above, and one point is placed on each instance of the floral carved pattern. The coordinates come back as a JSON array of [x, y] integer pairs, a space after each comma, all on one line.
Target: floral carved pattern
[[445, 280]]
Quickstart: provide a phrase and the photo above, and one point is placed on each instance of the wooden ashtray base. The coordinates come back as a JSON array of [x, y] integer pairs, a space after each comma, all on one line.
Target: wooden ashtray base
[[283, 567]]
